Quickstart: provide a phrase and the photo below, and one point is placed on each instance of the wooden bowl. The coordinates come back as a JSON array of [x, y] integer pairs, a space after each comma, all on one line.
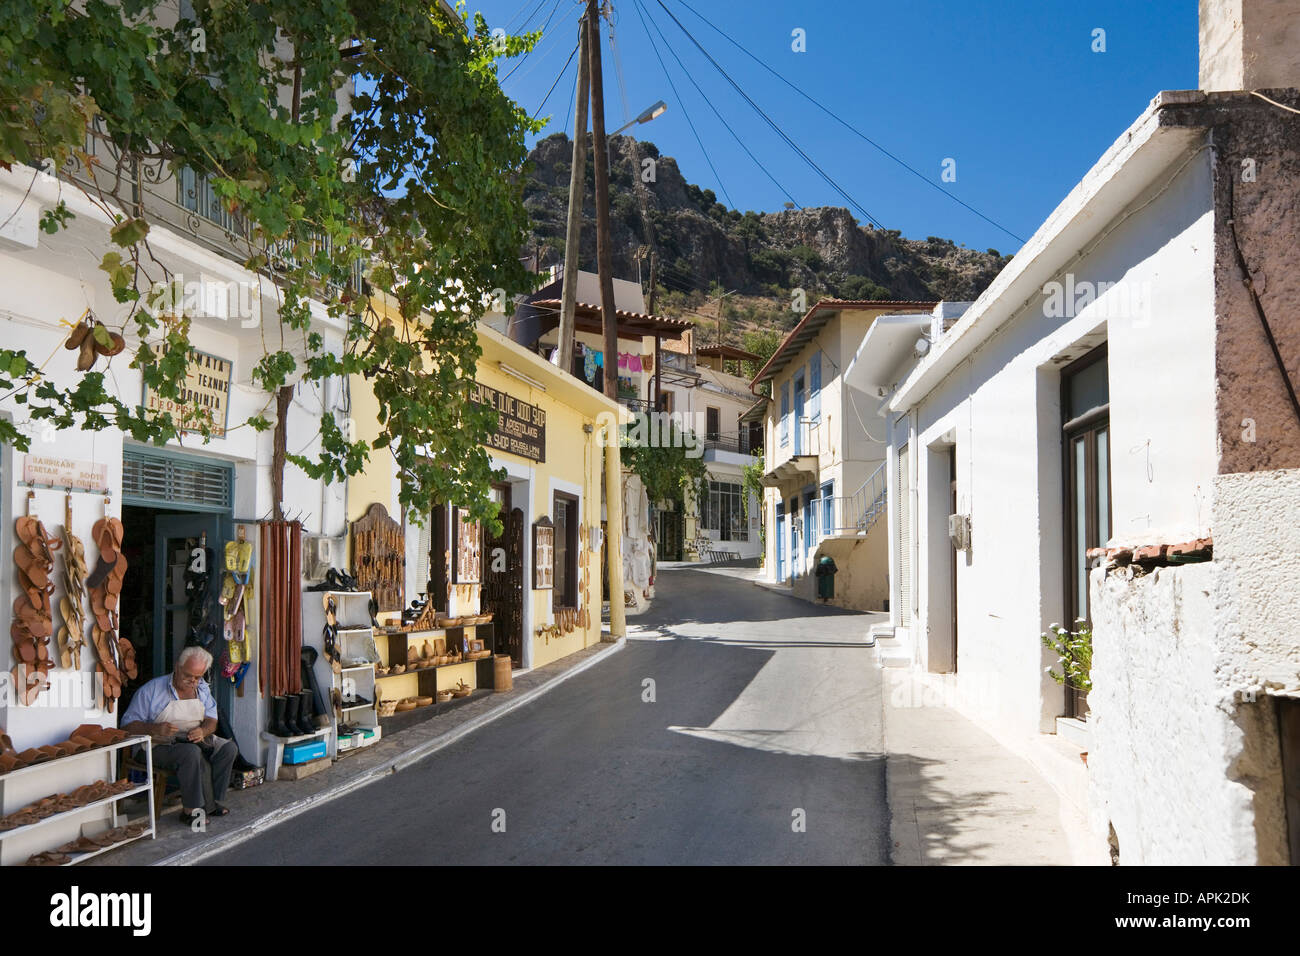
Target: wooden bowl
[[423, 701], [404, 705]]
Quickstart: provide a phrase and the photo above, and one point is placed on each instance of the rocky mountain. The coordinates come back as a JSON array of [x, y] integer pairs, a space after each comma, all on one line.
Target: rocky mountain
[[701, 242]]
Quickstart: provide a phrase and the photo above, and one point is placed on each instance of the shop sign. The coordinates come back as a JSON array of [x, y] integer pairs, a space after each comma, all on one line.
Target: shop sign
[[521, 427], [49, 470], [204, 396]]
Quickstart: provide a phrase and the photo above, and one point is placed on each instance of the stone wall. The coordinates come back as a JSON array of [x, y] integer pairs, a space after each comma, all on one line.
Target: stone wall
[[1165, 745]]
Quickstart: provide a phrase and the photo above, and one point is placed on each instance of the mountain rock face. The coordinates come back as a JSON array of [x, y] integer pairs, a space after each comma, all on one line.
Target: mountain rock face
[[700, 242]]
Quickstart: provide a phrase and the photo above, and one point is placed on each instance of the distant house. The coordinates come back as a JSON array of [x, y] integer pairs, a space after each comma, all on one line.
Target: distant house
[[698, 386], [825, 450], [1110, 433]]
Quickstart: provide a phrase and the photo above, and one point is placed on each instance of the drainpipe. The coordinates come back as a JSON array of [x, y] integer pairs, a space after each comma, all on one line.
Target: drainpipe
[[614, 532]]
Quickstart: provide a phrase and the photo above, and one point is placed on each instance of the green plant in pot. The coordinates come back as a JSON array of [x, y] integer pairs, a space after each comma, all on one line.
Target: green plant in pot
[[1073, 650]]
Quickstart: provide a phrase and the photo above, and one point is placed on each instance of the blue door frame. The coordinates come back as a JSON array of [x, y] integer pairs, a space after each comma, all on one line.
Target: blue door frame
[[780, 541]]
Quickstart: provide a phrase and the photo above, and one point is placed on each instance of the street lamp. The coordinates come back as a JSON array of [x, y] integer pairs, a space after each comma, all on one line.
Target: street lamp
[[646, 115]]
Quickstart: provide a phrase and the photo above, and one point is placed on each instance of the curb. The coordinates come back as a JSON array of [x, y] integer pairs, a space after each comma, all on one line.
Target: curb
[[226, 841]]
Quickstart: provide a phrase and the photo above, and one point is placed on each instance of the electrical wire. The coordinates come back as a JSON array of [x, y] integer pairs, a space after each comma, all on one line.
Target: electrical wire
[[852, 129], [522, 29], [770, 122], [564, 69], [709, 103], [681, 102]]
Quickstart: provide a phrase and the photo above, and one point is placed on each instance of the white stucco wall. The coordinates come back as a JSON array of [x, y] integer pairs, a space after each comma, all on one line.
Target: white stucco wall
[[1164, 743], [1001, 409]]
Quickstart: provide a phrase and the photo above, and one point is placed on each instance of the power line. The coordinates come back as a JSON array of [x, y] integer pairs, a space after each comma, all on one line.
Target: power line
[[573, 94], [852, 129], [681, 102], [710, 105], [522, 26], [564, 69], [770, 122]]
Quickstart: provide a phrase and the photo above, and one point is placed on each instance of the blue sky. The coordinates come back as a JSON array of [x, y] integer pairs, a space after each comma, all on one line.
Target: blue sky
[[1010, 89]]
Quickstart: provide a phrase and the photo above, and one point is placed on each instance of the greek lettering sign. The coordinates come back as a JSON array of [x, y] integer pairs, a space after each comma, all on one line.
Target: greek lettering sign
[[64, 473], [204, 398], [521, 427]]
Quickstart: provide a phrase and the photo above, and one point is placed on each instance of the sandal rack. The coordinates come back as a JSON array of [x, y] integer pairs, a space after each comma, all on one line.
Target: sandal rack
[[27, 785], [352, 690]]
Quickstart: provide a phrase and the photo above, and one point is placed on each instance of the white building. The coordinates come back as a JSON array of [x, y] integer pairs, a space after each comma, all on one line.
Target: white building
[[170, 499], [697, 386], [825, 446], [1115, 388]]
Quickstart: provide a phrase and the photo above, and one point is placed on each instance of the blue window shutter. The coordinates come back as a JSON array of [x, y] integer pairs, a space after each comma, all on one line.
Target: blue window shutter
[[815, 386], [785, 413]]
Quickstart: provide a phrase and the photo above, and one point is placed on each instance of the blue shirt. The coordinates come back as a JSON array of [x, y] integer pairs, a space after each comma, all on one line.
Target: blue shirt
[[153, 697]]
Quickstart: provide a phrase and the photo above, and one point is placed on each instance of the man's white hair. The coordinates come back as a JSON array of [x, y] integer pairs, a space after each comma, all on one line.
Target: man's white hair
[[190, 653]]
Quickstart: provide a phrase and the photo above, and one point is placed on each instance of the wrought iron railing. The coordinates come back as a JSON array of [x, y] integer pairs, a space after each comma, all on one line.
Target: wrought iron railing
[[182, 199], [858, 512], [737, 443]]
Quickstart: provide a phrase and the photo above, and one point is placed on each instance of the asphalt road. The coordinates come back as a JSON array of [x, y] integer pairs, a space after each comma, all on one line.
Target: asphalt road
[[762, 745]]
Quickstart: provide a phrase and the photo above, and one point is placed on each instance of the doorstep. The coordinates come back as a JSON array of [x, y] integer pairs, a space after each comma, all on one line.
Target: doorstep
[[1075, 731], [257, 809]]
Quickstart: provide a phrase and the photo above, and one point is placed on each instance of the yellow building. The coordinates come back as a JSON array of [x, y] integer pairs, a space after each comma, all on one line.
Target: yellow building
[[552, 454]]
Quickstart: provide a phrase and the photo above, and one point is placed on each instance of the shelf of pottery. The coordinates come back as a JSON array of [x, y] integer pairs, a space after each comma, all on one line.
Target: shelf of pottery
[[340, 622], [425, 667], [61, 804]]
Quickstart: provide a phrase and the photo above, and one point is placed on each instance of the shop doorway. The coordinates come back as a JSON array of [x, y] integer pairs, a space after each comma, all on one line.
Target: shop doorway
[[671, 534], [159, 546], [503, 580], [171, 505]]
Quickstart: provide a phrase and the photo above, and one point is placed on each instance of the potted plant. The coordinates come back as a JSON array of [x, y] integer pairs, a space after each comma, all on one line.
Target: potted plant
[[1073, 650]]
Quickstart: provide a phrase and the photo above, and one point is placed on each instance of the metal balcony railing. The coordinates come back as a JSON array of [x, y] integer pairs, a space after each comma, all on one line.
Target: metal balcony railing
[[738, 443], [858, 512], [183, 200]]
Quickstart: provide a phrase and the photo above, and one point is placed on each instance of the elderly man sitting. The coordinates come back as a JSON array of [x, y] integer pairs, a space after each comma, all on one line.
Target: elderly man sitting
[[180, 714]]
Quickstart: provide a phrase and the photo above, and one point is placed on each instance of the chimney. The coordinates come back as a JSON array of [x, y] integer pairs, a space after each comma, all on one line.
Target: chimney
[[1249, 44]]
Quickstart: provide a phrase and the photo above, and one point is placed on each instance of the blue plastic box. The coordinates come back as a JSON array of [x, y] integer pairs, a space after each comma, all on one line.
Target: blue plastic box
[[304, 751]]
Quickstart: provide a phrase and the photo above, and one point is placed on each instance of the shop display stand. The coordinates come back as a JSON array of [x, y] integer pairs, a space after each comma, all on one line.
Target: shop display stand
[[431, 680], [28, 774], [356, 642]]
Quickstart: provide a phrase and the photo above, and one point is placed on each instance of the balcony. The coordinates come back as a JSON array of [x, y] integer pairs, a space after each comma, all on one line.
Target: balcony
[[798, 455], [738, 448], [184, 201]]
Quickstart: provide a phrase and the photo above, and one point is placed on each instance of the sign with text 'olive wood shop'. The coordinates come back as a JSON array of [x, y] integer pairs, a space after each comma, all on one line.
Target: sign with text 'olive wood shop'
[[205, 396], [521, 427]]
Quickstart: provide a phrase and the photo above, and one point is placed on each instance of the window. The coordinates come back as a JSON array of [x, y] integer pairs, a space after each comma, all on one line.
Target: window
[[828, 508], [724, 512], [712, 423], [566, 519], [1085, 406], [785, 413], [815, 387]]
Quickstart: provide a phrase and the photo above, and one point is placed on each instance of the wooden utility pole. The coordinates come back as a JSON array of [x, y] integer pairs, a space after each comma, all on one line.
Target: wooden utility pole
[[654, 279], [650, 307], [577, 184], [604, 248], [605, 266]]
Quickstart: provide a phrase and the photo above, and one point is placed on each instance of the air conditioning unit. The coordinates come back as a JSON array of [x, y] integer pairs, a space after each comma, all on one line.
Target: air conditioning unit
[[959, 532]]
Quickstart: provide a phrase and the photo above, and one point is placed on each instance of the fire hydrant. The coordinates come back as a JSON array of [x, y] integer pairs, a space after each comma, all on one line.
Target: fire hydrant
[[825, 572]]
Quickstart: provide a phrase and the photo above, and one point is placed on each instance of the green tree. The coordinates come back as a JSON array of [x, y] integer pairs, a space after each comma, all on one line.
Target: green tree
[[422, 179]]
